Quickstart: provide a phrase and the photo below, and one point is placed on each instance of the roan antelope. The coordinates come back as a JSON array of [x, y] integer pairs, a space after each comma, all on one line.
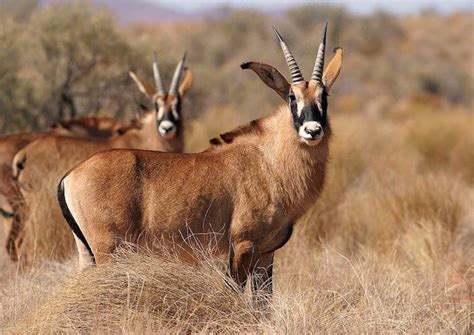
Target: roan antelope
[[92, 127], [11, 144], [39, 166], [249, 188]]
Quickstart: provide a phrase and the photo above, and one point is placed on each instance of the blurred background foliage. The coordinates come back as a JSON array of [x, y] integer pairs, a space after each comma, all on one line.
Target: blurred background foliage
[[71, 59]]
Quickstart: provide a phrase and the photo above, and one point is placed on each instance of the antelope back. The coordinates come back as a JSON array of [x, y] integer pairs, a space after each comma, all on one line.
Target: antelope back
[[88, 127]]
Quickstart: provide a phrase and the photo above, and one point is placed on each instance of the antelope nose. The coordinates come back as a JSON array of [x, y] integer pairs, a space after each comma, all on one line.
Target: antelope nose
[[166, 126], [313, 131]]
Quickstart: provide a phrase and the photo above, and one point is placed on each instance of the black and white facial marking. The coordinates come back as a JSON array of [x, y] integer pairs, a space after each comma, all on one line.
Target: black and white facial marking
[[308, 106], [168, 111]]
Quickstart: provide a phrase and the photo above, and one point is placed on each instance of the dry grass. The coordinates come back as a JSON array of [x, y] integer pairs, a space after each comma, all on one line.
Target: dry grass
[[142, 293], [46, 235], [23, 294], [444, 140], [316, 292]]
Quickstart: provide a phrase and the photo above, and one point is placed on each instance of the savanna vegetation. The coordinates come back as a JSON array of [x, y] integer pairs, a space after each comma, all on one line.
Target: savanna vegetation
[[389, 247]]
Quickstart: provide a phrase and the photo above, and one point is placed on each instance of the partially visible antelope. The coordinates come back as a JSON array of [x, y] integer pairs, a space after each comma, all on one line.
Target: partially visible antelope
[[92, 127], [249, 188], [11, 144], [47, 159]]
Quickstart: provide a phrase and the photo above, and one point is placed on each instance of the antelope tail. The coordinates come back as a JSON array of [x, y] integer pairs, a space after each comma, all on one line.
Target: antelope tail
[[70, 219]]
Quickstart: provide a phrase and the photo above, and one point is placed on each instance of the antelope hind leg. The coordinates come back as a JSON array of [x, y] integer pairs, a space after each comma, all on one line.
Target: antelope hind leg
[[14, 237]]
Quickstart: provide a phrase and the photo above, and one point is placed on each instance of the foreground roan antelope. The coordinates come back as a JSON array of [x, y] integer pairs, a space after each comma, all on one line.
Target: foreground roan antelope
[[10, 196], [249, 188], [39, 166]]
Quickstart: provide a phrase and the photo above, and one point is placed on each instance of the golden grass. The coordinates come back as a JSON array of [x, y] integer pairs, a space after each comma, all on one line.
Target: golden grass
[[22, 294], [378, 214], [444, 140], [46, 235], [315, 292], [145, 292]]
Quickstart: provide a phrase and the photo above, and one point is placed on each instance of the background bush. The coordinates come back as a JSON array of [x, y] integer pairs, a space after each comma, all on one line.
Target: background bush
[[72, 59]]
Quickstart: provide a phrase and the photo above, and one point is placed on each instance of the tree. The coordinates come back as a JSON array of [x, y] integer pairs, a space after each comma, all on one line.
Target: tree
[[77, 62]]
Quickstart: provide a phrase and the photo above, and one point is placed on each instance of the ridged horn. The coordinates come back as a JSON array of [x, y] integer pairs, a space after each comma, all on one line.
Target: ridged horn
[[295, 71], [317, 74], [160, 90], [177, 76]]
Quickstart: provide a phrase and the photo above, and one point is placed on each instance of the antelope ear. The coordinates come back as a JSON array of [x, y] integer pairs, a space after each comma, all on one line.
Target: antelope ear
[[270, 76], [144, 86], [334, 68], [187, 82]]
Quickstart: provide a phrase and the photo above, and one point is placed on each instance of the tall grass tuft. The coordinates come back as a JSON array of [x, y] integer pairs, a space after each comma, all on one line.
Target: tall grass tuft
[[315, 292]]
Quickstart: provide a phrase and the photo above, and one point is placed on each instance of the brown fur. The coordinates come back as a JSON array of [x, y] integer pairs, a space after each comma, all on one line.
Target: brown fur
[[11, 144], [47, 159], [241, 196], [88, 127]]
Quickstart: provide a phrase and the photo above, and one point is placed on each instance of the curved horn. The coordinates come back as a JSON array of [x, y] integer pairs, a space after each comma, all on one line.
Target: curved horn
[[317, 74], [160, 90], [177, 76], [295, 71]]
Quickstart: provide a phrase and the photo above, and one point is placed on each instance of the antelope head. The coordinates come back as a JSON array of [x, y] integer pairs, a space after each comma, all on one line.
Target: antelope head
[[307, 100], [167, 104]]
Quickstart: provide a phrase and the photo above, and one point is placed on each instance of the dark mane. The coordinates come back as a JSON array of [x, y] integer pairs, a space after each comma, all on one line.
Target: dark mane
[[252, 128]]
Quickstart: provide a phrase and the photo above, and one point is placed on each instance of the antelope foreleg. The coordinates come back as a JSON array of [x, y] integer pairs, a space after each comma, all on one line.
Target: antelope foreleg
[[262, 281], [14, 237], [241, 260]]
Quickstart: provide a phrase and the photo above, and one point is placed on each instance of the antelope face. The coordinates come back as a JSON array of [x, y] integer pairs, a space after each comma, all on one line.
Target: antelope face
[[167, 102], [168, 110], [307, 103], [307, 100]]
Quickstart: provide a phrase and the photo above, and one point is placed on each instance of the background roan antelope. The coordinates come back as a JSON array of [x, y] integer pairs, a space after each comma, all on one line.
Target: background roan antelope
[[40, 166], [244, 193], [10, 196]]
